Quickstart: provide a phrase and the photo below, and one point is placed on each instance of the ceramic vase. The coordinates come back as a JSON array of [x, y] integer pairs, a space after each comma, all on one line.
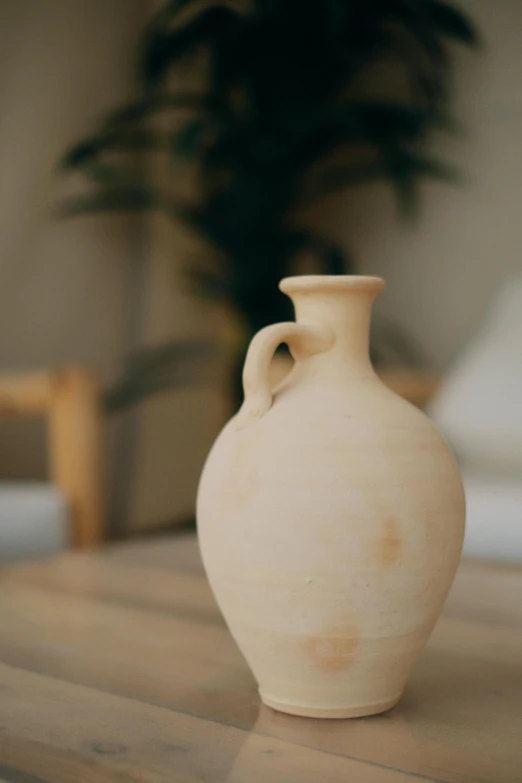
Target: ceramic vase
[[330, 514]]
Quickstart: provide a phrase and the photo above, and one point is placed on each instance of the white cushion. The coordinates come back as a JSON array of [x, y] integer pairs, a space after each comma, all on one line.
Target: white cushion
[[493, 519], [33, 520], [479, 406]]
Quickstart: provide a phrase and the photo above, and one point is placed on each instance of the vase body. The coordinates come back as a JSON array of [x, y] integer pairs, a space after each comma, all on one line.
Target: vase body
[[330, 515]]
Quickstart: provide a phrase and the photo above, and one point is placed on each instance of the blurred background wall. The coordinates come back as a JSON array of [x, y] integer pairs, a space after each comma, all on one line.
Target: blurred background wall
[[89, 289], [468, 240], [175, 430], [66, 287]]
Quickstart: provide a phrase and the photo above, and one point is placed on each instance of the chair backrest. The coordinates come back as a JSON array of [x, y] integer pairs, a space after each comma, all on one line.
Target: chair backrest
[[69, 399]]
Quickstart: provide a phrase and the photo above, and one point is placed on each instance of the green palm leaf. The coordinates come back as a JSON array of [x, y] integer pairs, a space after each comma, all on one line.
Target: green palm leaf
[[111, 199], [152, 105], [402, 168], [157, 369], [452, 22], [163, 48], [128, 139]]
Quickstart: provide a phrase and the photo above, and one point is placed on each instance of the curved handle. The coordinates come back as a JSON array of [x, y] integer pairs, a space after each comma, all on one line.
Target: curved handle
[[302, 340]]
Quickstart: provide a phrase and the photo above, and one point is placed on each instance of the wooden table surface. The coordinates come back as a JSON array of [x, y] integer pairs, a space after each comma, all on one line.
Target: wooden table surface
[[116, 667]]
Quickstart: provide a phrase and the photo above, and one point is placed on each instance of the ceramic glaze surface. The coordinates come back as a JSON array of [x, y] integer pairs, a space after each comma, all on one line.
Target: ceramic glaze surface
[[330, 514]]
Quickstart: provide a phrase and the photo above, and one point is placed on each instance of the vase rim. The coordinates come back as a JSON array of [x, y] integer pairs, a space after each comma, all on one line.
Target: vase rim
[[324, 283]]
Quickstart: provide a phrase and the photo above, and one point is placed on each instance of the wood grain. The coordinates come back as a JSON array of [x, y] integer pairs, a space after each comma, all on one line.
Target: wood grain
[[117, 667]]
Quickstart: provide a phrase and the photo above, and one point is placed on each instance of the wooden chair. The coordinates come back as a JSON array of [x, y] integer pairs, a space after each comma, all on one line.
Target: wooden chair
[[69, 398]]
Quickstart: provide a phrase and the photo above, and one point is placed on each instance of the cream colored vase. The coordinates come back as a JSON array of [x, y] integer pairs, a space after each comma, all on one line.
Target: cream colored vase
[[330, 514]]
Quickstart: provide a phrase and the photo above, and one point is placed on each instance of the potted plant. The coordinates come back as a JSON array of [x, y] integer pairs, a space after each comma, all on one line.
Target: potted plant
[[275, 104]]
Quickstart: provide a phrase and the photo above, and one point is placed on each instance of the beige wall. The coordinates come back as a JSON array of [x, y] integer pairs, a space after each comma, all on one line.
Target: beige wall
[[64, 285], [175, 429], [441, 272]]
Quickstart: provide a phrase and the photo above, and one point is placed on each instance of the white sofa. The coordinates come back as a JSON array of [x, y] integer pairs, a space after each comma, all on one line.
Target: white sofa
[[494, 518], [34, 520], [479, 409]]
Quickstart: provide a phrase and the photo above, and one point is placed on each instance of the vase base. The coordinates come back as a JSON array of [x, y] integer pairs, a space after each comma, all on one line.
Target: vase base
[[306, 711]]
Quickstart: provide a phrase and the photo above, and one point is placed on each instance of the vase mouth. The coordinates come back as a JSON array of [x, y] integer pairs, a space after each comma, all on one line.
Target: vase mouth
[[332, 283]]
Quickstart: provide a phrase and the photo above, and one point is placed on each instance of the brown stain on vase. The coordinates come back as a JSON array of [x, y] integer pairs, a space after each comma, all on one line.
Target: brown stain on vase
[[335, 649], [390, 544]]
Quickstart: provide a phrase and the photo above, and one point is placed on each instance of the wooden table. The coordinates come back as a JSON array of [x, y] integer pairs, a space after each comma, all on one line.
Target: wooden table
[[117, 667]]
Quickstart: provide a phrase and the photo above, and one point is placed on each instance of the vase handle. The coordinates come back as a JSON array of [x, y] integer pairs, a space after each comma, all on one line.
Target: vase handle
[[302, 340]]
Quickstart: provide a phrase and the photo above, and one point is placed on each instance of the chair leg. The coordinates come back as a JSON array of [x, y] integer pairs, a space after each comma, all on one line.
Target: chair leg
[[76, 452]]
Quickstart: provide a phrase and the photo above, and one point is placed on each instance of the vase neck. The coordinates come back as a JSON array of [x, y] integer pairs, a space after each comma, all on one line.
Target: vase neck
[[344, 303]]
